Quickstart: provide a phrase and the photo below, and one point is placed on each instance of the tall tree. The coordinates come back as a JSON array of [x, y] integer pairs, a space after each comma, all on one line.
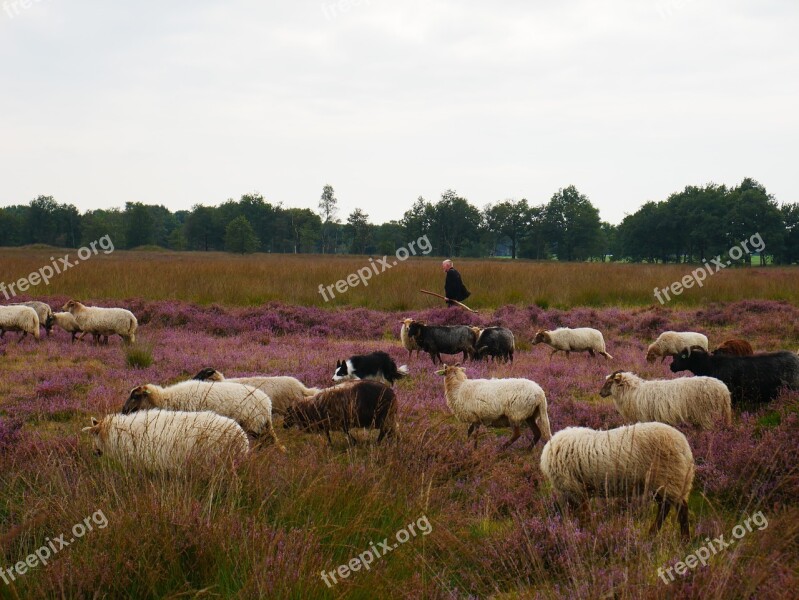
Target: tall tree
[[328, 209], [359, 230], [456, 224], [509, 220], [240, 236], [572, 225]]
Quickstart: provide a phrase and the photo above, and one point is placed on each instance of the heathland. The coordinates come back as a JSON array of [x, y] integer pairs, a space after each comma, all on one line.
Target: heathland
[[271, 527]]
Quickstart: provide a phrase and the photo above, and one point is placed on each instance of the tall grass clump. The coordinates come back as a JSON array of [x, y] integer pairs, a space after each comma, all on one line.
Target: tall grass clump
[[139, 355]]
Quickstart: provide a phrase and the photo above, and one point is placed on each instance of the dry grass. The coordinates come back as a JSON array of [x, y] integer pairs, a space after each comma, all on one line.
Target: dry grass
[[294, 279]]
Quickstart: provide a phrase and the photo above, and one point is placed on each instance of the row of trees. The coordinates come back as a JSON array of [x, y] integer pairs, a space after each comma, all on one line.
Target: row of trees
[[694, 224]]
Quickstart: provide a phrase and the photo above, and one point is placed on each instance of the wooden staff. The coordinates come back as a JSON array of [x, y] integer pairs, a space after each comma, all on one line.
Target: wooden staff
[[461, 304]]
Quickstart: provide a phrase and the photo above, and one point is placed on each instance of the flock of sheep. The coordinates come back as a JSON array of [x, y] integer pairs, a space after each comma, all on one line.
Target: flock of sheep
[[28, 317], [216, 420]]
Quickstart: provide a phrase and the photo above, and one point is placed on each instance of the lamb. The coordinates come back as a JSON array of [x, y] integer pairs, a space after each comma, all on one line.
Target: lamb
[[283, 391], [435, 339], [580, 339], [67, 322], [645, 458], [104, 321], [43, 311], [735, 348], [701, 401], [19, 318], [363, 403], [496, 403], [752, 380], [671, 343], [167, 441], [249, 407], [496, 342], [407, 341]]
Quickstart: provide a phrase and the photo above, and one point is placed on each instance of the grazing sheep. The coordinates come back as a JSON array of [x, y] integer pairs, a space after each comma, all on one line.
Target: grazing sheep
[[580, 339], [164, 440], [671, 343], [735, 348], [19, 318], [104, 321], [701, 401], [283, 391], [247, 406], [67, 322], [496, 403], [496, 342], [408, 342], [752, 380], [447, 339], [646, 458], [365, 403], [43, 311]]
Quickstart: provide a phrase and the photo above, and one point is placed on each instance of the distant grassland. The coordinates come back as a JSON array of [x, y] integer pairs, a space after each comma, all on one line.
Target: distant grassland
[[233, 280]]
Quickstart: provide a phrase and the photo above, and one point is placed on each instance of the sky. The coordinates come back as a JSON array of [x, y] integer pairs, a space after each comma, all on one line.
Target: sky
[[194, 102]]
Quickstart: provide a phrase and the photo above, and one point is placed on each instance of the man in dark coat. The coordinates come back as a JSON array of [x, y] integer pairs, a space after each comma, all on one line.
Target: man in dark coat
[[453, 286]]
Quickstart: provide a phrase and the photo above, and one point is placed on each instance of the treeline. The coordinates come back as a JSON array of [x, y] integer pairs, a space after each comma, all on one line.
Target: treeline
[[694, 224]]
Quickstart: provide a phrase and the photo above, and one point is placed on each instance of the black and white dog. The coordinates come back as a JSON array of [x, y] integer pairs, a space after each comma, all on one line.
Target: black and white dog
[[377, 365]]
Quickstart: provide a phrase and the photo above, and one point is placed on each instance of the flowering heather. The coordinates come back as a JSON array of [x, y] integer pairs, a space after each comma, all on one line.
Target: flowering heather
[[269, 528]]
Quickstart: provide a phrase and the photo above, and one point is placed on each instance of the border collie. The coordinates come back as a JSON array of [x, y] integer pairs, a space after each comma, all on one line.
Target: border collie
[[377, 365]]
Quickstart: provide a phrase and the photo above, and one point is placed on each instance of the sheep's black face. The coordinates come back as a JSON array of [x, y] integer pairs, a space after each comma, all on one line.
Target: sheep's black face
[[414, 329], [680, 362], [49, 322], [206, 374], [139, 399], [541, 338]]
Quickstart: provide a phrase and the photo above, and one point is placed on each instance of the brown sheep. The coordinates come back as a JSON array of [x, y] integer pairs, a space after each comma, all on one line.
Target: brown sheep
[[735, 348]]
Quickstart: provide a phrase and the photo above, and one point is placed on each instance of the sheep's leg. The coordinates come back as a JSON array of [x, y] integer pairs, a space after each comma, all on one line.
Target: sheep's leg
[[552, 354], [567, 354], [473, 428], [517, 432], [536, 431], [469, 431], [22, 337], [606, 355], [682, 517], [663, 510], [352, 441], [329, 439], [591, 352]]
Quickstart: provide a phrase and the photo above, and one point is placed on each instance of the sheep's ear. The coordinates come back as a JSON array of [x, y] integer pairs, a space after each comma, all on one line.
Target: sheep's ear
[[617, 377], [95, 422]]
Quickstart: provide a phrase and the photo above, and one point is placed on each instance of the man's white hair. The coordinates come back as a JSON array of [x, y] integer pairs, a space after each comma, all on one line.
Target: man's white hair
[[447, 262]]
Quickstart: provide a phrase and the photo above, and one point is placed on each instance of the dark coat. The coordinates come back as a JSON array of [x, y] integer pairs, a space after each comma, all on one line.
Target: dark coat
[[454, 288]]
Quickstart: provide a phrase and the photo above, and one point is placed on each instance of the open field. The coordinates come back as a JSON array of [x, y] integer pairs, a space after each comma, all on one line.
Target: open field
[[231, 280], [270, 528]]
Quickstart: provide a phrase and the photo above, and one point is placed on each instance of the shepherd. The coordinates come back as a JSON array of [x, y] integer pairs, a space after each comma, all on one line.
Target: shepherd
[[453, 286]]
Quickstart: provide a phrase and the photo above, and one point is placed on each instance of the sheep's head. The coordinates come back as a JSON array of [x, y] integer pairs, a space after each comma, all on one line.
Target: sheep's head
[[651, 353], [542, 337], [407, 322], [415, 328], [209, 374], [70, 306], [687, 359], [49, 322], [452, 371], [616, 378], [299, 415], [97, 441], [140, 399]]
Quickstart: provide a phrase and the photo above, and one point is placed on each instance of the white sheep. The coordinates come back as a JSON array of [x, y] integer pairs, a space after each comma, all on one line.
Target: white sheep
[[19, 318], [104, 321], [43, 311], [701, 401], [407, 341], [671, 343], [497, 403], [283, 391], [164, 440], [67, 322], [580, 339], [249, 407], [645, 458]]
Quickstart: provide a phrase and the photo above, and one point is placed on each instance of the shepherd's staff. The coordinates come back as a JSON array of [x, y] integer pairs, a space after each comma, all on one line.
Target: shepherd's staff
[[461, 304]]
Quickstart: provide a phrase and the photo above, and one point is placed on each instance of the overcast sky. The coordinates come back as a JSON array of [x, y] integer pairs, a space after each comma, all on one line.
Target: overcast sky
[[187, 102]]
